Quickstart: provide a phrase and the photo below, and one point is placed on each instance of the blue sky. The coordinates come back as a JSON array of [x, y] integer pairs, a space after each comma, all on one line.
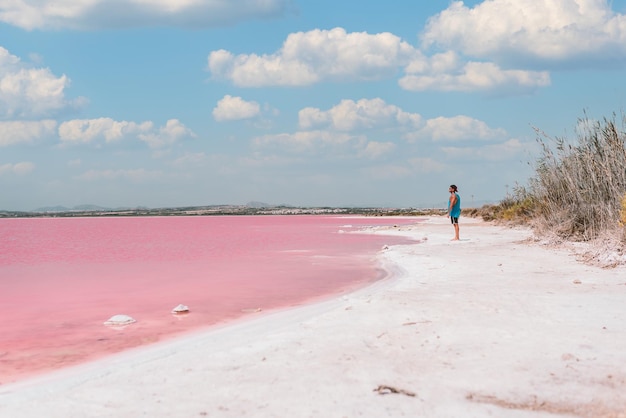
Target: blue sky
[[316, 103]]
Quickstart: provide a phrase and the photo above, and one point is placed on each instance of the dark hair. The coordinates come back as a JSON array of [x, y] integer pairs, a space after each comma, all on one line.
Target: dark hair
[[453, 187]]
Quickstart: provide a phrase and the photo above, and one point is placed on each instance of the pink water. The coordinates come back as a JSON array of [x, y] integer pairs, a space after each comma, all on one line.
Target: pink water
[[61, 278]]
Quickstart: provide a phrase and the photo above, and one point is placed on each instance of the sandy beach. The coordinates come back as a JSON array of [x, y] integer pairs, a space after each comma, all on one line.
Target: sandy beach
[[494, 325]]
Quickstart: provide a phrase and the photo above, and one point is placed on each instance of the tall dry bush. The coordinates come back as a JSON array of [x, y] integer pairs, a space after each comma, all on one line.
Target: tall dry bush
[[578, 188]]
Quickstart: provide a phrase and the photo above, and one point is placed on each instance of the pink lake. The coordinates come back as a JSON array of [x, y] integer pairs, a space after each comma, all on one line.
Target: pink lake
[[61, 278]]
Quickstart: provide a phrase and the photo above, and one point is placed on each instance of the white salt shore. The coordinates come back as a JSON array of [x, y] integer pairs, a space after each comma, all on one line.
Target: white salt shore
[[491, 326]]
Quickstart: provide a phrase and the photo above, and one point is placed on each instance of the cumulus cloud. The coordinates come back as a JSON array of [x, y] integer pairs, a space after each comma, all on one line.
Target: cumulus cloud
[[107, 130], [17, 168], [28, 93], [318, 55], [375, 149], [457, 128], [502, 46], [334, 55], [90, 14], [235, 108], [328, 144], [172, 132], [349, 115], [515, 31], [454, 75], [25, 132], [345, 130], [102, 129]]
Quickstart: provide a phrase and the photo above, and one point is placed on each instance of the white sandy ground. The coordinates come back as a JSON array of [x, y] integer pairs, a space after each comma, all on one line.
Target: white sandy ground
[[491, 326]]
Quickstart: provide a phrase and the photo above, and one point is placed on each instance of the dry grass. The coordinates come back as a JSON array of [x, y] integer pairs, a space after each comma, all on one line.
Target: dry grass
[[578, 192], [622, 212], [578, 188]]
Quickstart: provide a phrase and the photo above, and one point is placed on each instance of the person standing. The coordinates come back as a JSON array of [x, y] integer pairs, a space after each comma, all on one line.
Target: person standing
[[454, 210]]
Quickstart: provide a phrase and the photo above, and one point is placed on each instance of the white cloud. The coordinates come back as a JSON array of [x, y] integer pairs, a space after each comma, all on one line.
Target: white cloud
[[375, 149], [334, 55], [17, 168], [172, 132], [102, 129], [136, 175], [84, 131], [318, 55], [329, 144], [27, 92], [235, 108], [333, 133], [25, 132], [515, 31], [454, 75], [349, 115], [457, 128], [90, 14]]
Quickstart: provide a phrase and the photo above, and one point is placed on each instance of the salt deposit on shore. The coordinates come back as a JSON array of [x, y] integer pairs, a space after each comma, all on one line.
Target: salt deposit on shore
[[492, 325]]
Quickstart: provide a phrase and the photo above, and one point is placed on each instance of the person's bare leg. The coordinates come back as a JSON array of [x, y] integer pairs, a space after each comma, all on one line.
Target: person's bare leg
[[456, 232]]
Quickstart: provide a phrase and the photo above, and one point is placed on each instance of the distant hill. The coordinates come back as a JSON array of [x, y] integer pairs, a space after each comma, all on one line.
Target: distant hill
[[85, 208], [261, 205], [89, 207]]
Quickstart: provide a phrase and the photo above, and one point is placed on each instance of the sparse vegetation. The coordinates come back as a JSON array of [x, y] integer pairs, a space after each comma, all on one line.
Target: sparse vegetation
[[578, 192], [622, 212], [578, 188]]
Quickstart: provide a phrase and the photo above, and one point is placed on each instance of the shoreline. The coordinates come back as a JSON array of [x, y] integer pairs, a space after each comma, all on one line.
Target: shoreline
[[55, 312], [252, 321], [489, 326]]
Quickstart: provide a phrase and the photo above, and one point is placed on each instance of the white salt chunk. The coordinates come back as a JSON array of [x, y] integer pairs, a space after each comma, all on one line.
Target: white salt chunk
[[117, 320], [180, 309]]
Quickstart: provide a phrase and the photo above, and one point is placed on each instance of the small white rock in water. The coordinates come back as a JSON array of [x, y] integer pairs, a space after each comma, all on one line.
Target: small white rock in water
[[119, 320], [181, 309]]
